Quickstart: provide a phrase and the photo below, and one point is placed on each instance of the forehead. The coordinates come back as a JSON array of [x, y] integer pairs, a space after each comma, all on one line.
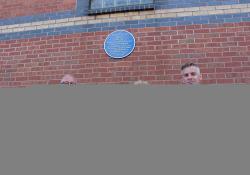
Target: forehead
[[68, 78], [190, 69]]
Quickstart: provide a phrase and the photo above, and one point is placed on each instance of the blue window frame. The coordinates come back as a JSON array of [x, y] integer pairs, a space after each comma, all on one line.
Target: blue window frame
[[108, 6]]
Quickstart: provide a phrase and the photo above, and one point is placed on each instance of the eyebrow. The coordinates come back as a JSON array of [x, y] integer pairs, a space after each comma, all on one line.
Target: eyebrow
[[190, 73]]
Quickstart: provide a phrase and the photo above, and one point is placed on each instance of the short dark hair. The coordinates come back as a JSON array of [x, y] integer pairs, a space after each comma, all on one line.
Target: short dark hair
[[188, 65]]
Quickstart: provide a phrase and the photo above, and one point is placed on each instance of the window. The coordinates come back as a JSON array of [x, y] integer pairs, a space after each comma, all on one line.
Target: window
[[107, 6]]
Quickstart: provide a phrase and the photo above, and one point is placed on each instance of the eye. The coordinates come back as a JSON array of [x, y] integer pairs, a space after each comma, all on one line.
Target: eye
[[193, 73], [65, 82], [186, 75]]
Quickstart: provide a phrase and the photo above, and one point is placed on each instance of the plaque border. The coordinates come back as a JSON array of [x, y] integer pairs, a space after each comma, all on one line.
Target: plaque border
[[113, 33]]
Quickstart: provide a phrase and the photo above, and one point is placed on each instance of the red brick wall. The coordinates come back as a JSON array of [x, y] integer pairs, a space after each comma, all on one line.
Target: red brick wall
[[15, 8], [222, 51]]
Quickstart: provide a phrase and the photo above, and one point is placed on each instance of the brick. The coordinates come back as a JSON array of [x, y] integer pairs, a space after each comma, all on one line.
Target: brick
[[212, 44], [247, 43], [247, 63], [180, 46], [220, 76], [201, 31], [228, 11], [223, 7], [230, 54], [219, 40], [223, 70], [214, 54], [223, 59], [208, 70], [241, 69], [240, 39], [238, 49], [156, 72], [225, 81], [233, 64], [202, 40], [206, 60], [196, 45], [216, 12], [173, 37], [181, 14]]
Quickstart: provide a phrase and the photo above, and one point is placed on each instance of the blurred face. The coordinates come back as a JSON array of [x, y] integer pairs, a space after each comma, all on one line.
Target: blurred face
[[191, 75], [68, 79]]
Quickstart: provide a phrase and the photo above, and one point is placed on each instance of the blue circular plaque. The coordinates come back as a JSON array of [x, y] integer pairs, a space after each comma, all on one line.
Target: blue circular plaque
[[119, 44]]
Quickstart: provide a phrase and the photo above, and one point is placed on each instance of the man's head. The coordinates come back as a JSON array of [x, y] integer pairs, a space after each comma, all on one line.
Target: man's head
[[190, 73], [68, 79], [139, 82]]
